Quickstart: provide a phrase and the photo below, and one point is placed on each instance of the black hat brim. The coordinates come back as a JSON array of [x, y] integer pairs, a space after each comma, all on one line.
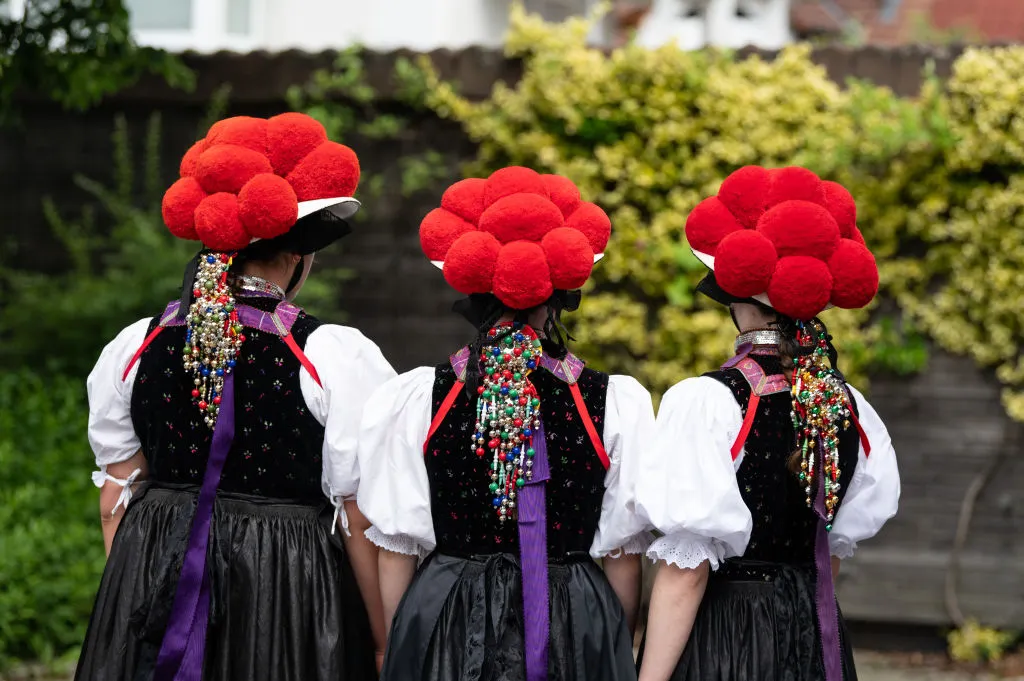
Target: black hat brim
[[310, 234], [709, 286]]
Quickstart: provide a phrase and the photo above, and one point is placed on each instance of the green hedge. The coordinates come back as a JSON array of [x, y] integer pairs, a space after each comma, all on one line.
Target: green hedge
[[51, 546], [938, 179]]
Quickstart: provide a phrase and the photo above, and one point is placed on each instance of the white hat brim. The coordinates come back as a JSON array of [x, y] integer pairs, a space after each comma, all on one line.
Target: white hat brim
[[343, 207]]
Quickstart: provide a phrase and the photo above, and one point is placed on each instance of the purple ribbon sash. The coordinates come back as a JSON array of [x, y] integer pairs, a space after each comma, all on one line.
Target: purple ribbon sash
[[825, 593], [182, 650], [533, 557]]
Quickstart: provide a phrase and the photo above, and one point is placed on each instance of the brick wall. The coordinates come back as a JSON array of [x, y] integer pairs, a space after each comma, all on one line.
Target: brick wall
[[946, 423]]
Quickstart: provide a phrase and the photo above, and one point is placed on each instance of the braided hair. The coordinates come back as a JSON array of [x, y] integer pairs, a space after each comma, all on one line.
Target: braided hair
[[483, 310]]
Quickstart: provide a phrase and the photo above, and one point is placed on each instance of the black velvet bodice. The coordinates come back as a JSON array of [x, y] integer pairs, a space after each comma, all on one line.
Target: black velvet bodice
[[278, 445], [464, 518], [784, 527]]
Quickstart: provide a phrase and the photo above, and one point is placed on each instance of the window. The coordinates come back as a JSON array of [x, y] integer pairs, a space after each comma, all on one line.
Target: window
[[200, 25], [160, 15], [239, 17]]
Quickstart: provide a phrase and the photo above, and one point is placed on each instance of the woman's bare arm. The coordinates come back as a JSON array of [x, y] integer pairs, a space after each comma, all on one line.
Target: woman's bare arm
[[625, 575], [110, 513], [674, 601], [363, 555]]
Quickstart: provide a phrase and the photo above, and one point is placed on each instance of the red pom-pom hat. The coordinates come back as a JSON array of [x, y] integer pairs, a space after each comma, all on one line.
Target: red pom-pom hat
[[784, 238], [253, 178], [518, 234]]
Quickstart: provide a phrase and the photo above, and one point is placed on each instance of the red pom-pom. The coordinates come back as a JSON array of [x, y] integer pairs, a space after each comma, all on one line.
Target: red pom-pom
[[191, 159], [226, 168], [218, 224], [800, 228], [854, 275], [179, 207], [521, 278], [794, 184], [512, 180], [331, 170], [521, 216], [470, 262], [466, 199], [708, 223], [570, 257], [290, 138], [438, 232], [267, 206], [745, 193], [242, 131], [744, 263], [563, 193], [800, 287], [594, 223], [841, 205], [856, 235]]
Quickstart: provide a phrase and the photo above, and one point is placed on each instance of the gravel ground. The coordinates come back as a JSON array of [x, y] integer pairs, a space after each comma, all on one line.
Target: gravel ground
[[873, 666]]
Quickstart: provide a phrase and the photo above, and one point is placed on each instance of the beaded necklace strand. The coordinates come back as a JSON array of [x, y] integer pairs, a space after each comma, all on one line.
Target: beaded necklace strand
[[507, 411], [213, 335], [820, 406]]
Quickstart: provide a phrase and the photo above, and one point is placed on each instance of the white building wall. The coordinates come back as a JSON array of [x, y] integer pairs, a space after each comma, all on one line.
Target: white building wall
[[420, 25], [424, 25]]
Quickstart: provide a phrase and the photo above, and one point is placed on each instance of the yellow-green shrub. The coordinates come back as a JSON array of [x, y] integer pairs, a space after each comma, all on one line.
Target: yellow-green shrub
[[977, 644], [649, 133]]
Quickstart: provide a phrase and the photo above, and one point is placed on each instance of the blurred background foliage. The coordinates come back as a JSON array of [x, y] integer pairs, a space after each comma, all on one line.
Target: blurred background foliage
[[648, 133], [939, 182]]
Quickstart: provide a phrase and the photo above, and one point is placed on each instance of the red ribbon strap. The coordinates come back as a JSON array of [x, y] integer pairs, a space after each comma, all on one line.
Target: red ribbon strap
[[442, 412], [588, 423]]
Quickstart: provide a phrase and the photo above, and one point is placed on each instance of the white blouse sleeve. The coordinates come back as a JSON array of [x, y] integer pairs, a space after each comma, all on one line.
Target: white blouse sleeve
[[628, 428], [874, 492], [351, 367], [111, 432], [687, 485], [394, 492]]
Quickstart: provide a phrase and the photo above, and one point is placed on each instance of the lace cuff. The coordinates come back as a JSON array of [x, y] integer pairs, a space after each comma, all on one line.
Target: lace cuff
[[685, 553], [638, 543], [397, 543], [101, 477], [841, 547]]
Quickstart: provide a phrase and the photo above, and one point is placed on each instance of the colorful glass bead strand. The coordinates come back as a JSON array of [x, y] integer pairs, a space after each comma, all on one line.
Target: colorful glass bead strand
[[507, 412], [821, 406], [213, 335]]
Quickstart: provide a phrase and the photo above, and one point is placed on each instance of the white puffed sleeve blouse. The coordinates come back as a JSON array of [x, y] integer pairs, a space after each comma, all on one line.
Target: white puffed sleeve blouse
[[687, 487], [394, 494], [350, 367]]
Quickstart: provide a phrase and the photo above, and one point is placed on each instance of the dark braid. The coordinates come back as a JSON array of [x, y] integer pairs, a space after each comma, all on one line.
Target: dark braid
[[483, 310]]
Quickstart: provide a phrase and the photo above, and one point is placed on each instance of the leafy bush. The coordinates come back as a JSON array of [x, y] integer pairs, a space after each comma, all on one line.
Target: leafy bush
[[349, 107], [51, 548], [939, 182], [75, 52], [977, 644], [122, 268]]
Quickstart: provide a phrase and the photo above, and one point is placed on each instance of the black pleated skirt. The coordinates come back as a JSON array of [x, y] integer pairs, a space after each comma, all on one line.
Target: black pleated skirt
[[462, 620], [285, 605], [758, 622]]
